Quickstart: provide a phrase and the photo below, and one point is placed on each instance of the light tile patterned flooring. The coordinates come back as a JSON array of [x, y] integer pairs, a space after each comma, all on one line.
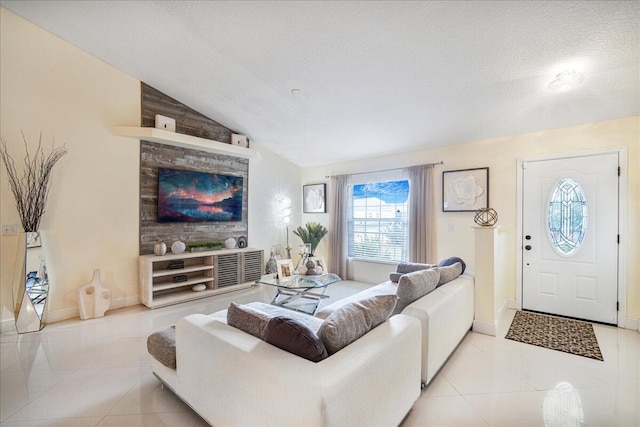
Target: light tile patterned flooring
[[97, 373]]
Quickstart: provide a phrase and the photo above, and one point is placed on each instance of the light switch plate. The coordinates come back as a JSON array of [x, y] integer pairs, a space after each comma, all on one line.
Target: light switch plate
[[165, 123], [8, 229]]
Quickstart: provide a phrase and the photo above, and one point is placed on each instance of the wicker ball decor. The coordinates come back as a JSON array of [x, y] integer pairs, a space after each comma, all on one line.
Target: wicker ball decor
[[486, 217]]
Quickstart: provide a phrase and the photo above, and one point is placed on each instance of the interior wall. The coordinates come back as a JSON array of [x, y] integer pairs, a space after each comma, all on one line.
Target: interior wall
[[91, 218], [454, 235], [271, 177]]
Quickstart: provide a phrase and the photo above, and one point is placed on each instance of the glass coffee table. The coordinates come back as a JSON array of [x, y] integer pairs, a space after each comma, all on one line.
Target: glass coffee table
[[299, 287]]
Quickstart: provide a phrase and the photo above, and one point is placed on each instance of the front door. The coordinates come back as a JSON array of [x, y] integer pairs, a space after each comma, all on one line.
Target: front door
[[570, 237]]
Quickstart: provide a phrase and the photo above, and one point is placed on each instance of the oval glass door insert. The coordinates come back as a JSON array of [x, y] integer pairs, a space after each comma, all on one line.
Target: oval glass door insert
[[567, 216]]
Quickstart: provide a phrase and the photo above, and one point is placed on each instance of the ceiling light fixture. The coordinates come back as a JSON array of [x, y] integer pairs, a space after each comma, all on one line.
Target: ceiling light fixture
[[295, 91], [565, 81]]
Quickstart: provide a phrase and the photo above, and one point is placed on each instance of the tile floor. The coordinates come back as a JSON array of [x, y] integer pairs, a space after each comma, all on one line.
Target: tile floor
[[97, 373]]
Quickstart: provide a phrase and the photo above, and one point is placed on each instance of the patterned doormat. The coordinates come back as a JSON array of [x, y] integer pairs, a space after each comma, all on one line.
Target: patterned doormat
[[566, 335]]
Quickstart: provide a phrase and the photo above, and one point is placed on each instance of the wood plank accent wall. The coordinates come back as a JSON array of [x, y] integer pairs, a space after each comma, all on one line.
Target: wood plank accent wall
[[188, 121], [154, 155]]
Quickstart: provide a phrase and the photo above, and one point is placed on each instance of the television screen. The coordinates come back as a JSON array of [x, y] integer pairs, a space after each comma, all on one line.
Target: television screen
[[188, 196]]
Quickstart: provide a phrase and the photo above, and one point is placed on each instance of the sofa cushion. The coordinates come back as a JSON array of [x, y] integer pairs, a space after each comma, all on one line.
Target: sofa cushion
[[452, 260], [449, 273], [410, 267], [417, 284], [294, 337], [276, 310], [162, 346], [248, 319], [386, 288], [395, 276], [353, 320]]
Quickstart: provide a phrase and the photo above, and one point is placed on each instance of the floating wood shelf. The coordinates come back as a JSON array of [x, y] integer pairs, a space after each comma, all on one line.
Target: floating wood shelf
[[161, 136]]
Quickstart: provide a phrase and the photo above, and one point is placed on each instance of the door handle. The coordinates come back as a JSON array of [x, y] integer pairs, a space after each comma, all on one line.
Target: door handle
[[528, 247]]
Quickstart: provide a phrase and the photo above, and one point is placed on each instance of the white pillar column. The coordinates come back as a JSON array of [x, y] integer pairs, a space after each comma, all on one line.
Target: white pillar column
[[489, 280]]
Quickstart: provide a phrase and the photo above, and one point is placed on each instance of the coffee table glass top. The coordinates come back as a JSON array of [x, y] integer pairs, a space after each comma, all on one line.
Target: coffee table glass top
[[300, 281]]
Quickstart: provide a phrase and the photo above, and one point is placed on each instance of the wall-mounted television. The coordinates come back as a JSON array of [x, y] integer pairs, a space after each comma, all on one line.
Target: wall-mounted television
[[189, 196]]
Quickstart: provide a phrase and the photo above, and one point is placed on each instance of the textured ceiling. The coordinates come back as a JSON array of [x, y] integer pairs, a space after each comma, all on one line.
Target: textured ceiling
[[374, 77]]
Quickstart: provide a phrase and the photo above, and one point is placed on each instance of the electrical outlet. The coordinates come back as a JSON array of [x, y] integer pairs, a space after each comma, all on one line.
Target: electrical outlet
[[8, 229]]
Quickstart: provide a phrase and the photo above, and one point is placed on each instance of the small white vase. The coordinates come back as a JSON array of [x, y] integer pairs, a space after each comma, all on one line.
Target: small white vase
[[160, 248], [93, 298]]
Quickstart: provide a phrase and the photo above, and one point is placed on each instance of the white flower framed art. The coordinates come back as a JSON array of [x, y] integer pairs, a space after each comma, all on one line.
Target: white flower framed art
[[314, 198], [465, 190]]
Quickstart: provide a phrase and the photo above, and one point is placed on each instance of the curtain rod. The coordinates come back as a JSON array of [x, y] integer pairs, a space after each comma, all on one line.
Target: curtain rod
[[387, 170]]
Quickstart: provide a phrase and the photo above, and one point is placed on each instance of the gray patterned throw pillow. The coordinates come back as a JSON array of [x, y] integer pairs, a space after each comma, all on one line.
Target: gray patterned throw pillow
[[449, 273], [353, 320], [247, 319], [412, 286]]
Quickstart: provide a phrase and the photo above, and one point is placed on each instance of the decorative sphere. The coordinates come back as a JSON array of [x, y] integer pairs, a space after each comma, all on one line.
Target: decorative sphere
[[486, 217], [230, 243], [178, 247], [199, 288]]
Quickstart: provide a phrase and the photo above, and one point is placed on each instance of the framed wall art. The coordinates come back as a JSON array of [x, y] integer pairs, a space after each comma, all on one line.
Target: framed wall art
[[465, 190], [314, 198]]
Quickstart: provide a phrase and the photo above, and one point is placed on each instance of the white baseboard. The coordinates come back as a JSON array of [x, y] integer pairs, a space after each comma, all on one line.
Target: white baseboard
[[633, 324], [125, 302], [511, 303], [501, 310], [485, 328], [72, 312]]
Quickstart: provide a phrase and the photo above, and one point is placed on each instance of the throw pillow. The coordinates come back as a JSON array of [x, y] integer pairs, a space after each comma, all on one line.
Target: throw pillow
[[247, 319], [410, 267], [412, 286], [449, 273], [451, 261], [294, 337], [394, 277], [353, 320], [162, 346]]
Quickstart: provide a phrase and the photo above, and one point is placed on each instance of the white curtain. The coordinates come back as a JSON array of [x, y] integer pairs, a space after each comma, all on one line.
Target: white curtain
[[421, 203], [339, 231]]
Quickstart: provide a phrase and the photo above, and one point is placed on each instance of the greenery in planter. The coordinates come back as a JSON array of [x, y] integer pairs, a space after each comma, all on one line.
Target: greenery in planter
[[313, 233], [204, 245]]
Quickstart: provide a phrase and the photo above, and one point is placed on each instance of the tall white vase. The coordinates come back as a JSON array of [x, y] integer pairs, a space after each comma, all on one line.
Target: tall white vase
[[93, 298]]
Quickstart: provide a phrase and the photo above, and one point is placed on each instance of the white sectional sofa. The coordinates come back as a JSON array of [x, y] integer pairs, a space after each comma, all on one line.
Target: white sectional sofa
[[232, 378], [445, 314]]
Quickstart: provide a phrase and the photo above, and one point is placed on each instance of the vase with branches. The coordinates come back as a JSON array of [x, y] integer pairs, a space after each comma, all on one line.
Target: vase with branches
[[312, 234], [31, 188]]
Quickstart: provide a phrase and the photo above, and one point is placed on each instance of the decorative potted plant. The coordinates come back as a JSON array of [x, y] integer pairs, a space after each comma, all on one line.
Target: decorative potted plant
[[312, 234], [32, 188], [204, 246]]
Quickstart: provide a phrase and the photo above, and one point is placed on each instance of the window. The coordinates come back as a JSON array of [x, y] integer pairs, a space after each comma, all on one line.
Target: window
[[567, 216], [378, 224]]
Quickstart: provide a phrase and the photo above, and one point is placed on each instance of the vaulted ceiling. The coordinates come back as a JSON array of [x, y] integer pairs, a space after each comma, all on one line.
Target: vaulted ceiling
[[320, 82]]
